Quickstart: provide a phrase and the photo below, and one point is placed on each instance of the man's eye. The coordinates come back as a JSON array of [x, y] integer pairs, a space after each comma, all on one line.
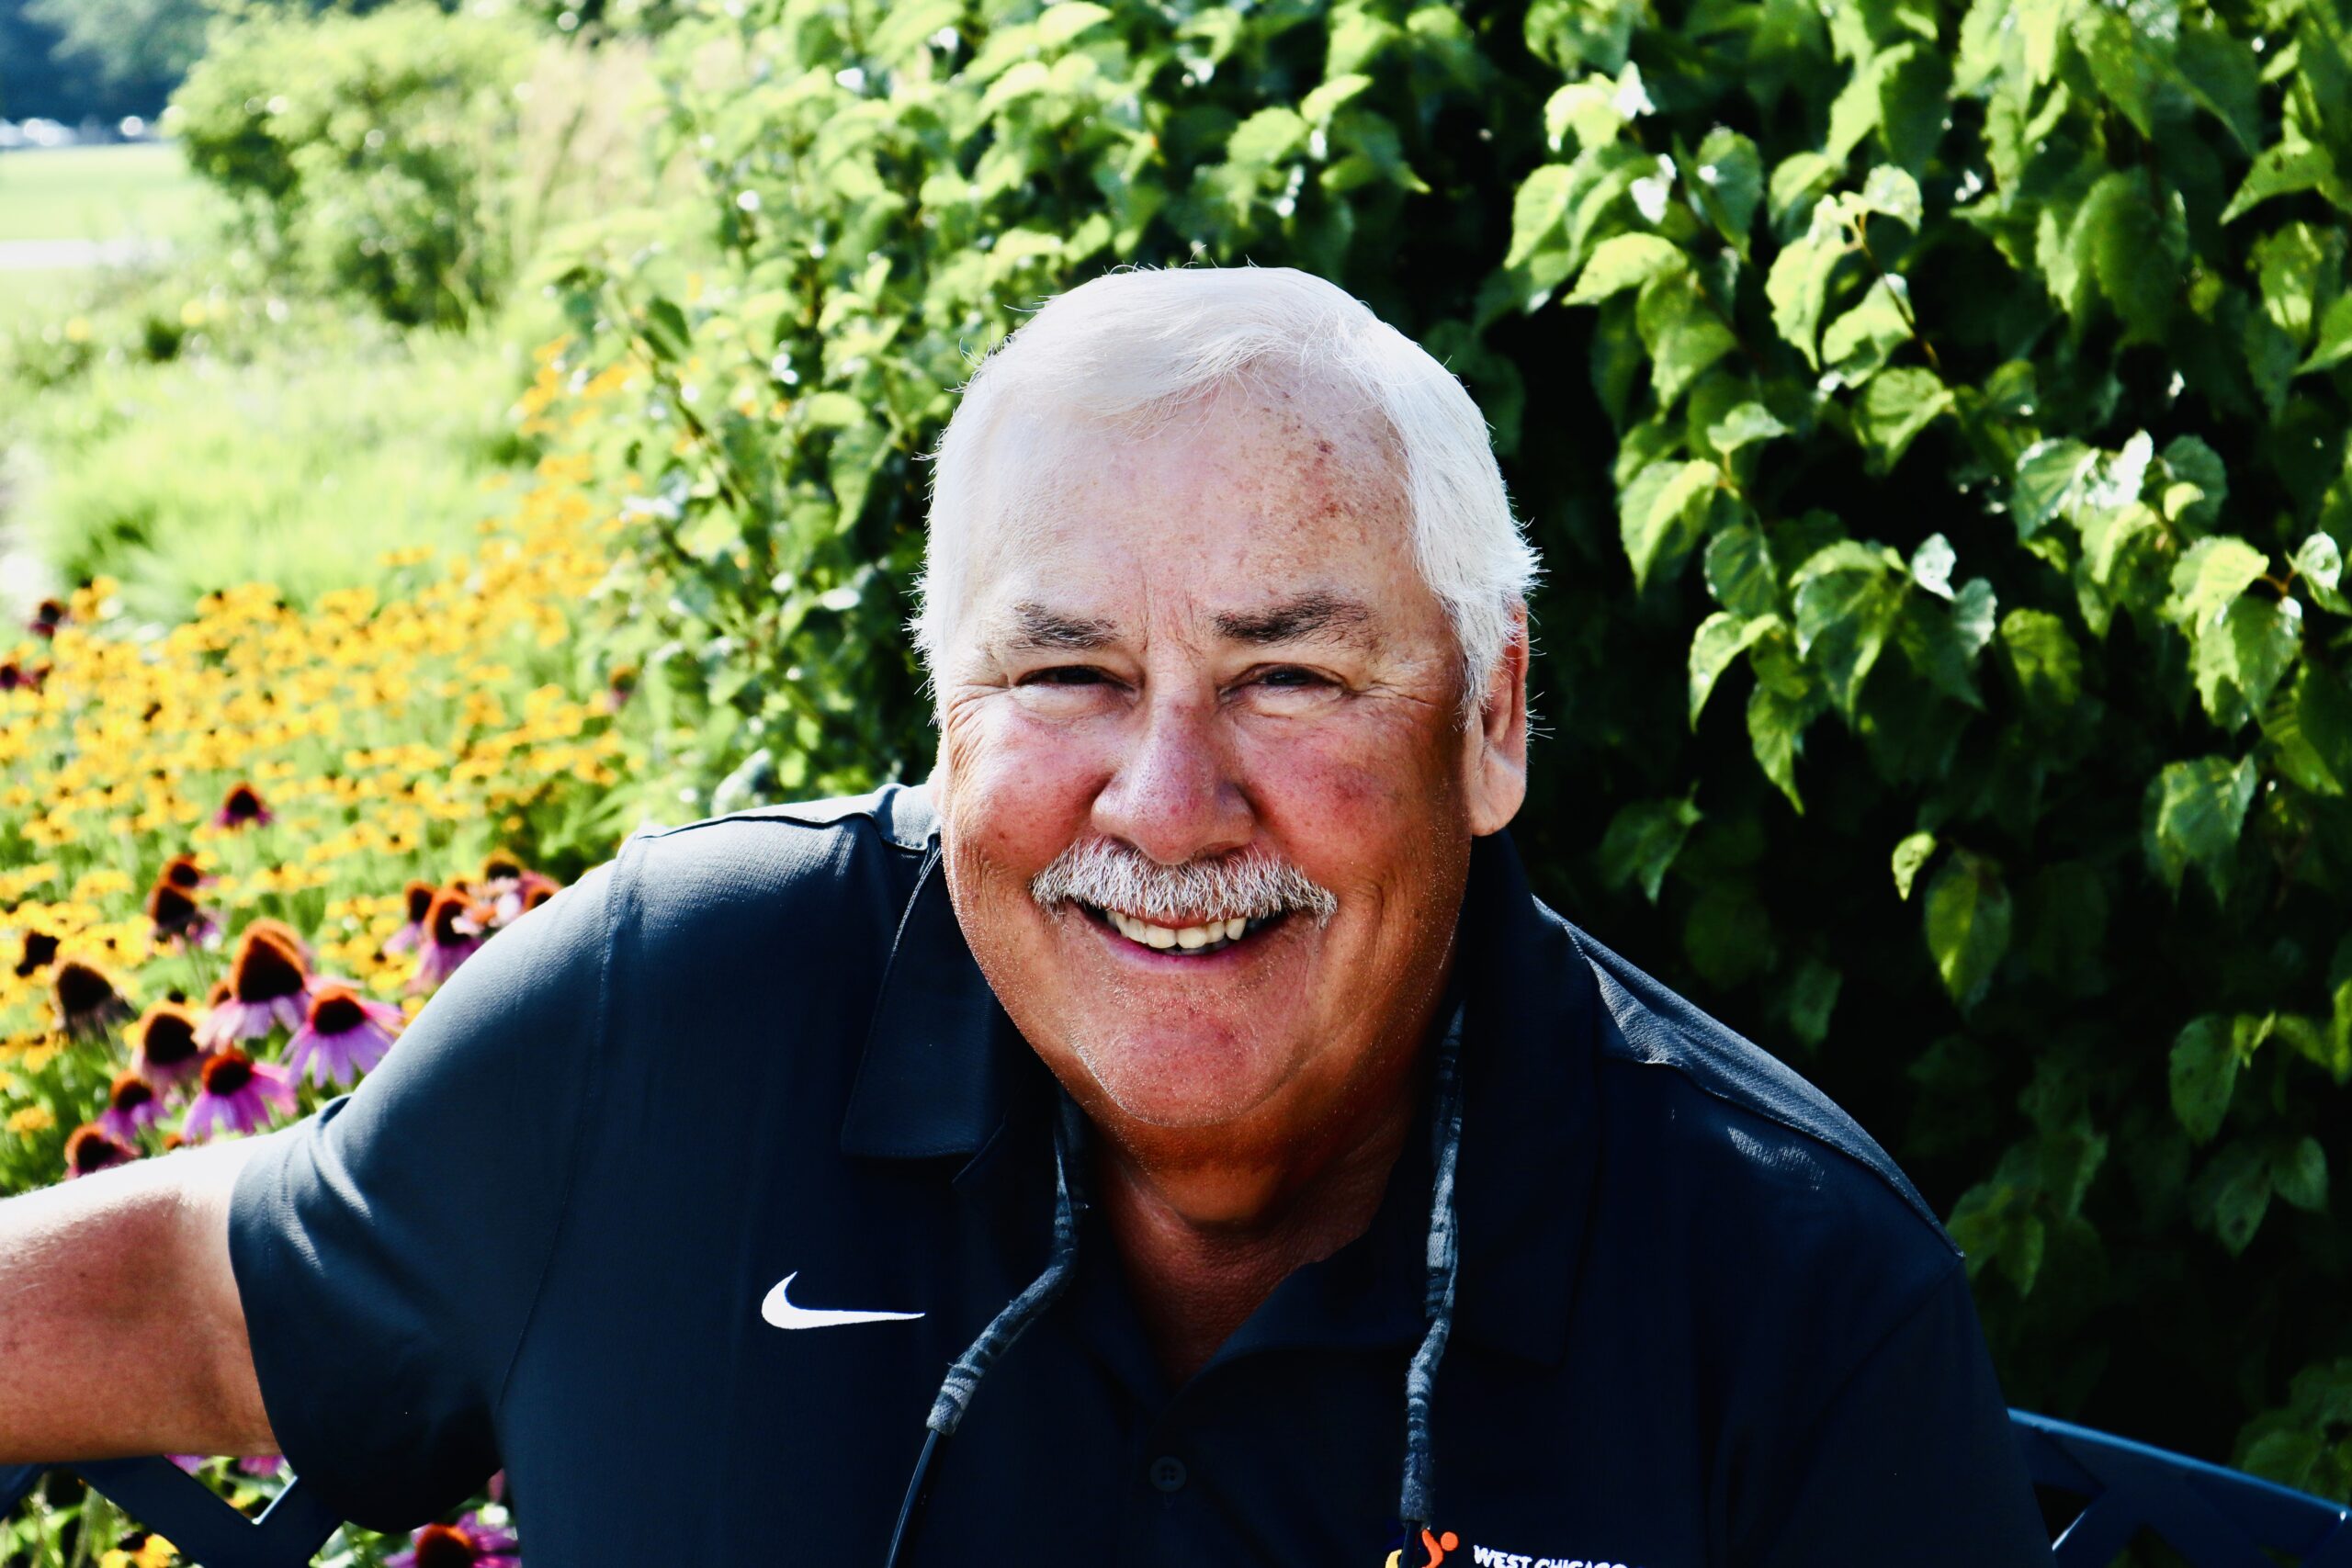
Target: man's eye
[[1063, 675], [1291, 677]]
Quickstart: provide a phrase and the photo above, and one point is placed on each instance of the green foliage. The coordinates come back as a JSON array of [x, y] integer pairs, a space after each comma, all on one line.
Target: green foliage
[[369, 150], [1935, 418]]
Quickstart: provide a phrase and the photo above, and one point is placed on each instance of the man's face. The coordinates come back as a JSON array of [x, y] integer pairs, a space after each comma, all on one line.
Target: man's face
[[1210, 648]]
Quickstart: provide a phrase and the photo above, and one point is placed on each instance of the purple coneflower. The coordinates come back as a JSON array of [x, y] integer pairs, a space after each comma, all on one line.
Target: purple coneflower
[[469, 1543], [417, 899], [131, 1105], [47, 615], [243, 807], [164, 1050], [92, 1149], [183, 872], [87, 1003], [239, 1093], [527, 892], [267, 986], [178, 916], [619, 687], [453, 927], [15, 677], [39, 952], [345, 1035]]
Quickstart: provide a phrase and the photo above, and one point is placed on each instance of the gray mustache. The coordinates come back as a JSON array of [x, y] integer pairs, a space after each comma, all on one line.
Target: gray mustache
[[1118, 876]]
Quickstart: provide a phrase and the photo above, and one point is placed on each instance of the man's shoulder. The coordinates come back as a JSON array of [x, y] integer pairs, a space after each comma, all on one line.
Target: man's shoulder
[[1743, 1130], [816, 848]]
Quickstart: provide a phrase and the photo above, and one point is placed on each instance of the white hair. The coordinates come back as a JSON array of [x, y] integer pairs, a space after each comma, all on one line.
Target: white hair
[[1131, 347]]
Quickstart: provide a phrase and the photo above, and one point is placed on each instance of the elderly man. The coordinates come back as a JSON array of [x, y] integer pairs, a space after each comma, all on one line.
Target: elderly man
[[1175, 1135]]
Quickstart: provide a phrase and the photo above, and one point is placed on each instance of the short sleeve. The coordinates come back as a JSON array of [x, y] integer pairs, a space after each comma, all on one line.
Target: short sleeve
[[388, 1249], [1912, 1460]]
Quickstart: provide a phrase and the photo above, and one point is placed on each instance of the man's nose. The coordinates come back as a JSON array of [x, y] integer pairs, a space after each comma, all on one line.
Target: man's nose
[[1172, 794]]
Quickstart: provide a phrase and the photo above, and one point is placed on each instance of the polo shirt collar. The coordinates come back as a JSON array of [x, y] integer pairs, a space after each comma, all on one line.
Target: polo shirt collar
[[942, 1064]]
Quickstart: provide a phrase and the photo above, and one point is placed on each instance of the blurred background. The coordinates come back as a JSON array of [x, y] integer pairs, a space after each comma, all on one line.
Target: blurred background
[[437, 440]]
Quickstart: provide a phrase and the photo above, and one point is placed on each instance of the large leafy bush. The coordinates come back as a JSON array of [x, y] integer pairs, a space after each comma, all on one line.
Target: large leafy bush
[[1935, 421], [370, 151]]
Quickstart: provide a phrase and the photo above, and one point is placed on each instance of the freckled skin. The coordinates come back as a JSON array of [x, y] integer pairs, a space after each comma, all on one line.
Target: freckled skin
[[1251, 1101]]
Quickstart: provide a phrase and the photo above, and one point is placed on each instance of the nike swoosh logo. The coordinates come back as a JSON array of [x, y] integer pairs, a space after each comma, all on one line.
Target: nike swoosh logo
[[778, 1309]]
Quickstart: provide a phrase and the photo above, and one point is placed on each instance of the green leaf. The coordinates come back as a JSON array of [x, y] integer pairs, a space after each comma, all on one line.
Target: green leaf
[[1538, 209], [1264, 138], [1588, 110], [1326, 100], [2224, 76], [1812, 999], [1727, 936], [2210, 574], [1729, 183], [2309, 729], [1658, 516], [1909, 856], [1622, 262], [2320, 562], [1721, 638], [1798, 285], [1843, 618], [2051, 476], [1932, 563], [1681, 332], [2289, 167], [2204, 1074], [1642, 842], [1783, 703], [1746, 423], [2136, 253], [2332, 344], [1861, 340], [1063, 22], [1894, 408], [2299, 1175], [830, 410], [1967, 924], [666, 332], [2195, 812], [2238, 660], [2123, 73], [1890, 192], [1740, 572], [2237, 1194]]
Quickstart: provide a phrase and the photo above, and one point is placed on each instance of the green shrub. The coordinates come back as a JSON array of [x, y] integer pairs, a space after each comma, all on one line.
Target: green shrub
[[1935, 422], [370, 150]]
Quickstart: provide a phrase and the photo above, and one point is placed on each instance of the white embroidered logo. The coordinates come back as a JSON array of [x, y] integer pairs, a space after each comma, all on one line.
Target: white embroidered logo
[[778, 1309]]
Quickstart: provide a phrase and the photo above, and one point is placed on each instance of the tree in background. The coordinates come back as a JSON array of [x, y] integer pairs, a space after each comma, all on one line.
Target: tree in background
[[132, 44]]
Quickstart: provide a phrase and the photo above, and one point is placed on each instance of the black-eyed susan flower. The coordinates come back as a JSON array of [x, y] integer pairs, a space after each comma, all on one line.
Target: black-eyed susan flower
[[454, 931], [40, 952], [243, 807], [15, 677], [417, 903], [178, 917], [238, 1093], [183, 872], [91, 1148], [47, 615], [164, 1050], [131, 1103], [268, 986], [87, 1003], [345, 1035], [469, 1543]]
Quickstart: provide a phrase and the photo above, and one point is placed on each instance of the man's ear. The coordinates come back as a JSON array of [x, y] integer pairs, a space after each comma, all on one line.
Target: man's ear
[[1497, 750]]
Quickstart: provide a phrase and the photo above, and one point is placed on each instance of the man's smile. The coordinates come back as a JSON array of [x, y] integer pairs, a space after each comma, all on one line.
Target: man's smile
[[1196, 940]]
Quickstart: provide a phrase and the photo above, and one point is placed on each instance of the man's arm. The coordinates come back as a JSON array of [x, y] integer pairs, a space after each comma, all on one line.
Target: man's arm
[[120, 1329]]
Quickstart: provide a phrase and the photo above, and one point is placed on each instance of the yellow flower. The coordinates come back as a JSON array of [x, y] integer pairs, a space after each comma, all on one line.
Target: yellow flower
[[27, 1119]]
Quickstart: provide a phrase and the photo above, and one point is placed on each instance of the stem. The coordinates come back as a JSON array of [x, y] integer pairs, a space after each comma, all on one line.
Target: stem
[[1902, 304]]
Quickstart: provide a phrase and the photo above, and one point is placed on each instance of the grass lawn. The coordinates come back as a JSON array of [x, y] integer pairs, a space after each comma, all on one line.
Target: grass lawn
[[142, 189]]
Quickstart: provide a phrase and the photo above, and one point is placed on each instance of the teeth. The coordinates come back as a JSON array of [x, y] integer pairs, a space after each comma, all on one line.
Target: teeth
[[1190, 939]]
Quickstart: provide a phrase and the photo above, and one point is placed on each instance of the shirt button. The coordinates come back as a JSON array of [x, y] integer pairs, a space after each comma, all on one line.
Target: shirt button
[[1167, 1472]]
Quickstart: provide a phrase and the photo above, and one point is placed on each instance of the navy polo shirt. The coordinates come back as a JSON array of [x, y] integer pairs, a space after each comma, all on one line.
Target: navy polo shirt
[[1701, 1318]]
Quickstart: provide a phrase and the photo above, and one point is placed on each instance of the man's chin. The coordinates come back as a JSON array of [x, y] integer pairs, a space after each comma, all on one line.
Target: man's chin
[[1179, 1080]]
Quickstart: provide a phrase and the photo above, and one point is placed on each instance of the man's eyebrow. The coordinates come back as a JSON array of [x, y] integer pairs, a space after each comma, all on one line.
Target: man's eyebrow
[[1033, 629], [1317, 616]]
